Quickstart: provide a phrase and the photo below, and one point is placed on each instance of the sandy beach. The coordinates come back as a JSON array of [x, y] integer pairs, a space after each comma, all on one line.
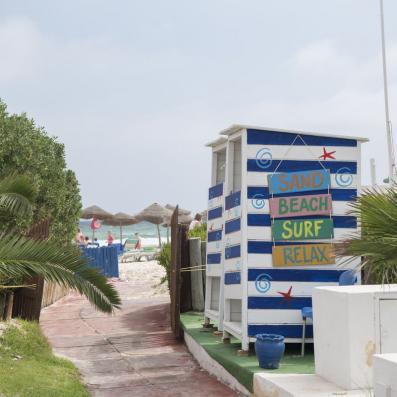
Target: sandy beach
[[144, 274]]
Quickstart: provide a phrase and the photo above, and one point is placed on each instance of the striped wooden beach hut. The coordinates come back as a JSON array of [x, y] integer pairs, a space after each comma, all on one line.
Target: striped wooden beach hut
[[215, 246], [275, 210]]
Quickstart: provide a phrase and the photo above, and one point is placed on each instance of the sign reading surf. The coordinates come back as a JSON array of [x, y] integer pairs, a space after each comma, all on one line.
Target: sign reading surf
[[302, 229], [303, 255], [300, 181]]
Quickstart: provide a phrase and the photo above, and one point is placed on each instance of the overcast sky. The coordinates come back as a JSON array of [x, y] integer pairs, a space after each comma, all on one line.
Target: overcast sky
[[135, 89]]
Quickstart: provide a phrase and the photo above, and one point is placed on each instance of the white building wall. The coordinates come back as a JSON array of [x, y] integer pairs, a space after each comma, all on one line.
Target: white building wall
[[385, 375], [349, 330]]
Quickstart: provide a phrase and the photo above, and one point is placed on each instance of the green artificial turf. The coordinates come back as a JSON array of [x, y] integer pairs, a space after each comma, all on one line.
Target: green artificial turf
[[243, 368], [29, 369]]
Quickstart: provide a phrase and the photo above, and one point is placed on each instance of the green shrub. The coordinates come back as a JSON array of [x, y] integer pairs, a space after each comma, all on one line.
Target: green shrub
[[376, 243], [27, 149], [199, 231], [164, 260]]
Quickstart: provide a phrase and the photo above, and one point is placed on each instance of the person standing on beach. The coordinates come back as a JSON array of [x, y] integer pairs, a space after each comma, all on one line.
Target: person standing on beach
[[138, 244], [196, 222], [110, 238], [79, 239]]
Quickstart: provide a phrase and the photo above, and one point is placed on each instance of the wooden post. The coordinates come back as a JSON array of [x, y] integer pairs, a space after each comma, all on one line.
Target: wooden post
[[204, 262], [175, 276], [10, 303], [196, 277], [158, 232], [2, 305], [186, 291]]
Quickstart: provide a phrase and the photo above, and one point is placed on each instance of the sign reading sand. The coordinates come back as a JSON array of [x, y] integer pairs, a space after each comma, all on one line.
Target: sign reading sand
[[300, 181]]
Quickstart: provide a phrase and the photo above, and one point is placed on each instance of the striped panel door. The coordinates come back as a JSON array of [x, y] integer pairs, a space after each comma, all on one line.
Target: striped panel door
[[276, 295], [215, 231], [232, 263]]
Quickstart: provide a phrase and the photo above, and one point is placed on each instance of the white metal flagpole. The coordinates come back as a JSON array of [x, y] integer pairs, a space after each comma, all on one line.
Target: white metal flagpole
[[390, 145]]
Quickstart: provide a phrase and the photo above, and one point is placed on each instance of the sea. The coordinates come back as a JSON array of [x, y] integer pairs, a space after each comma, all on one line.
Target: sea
[[147, 231]]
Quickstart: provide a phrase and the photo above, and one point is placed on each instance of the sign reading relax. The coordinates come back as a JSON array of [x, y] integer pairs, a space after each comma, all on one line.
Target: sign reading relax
[[303, 255], [300, 181], [302, 229]]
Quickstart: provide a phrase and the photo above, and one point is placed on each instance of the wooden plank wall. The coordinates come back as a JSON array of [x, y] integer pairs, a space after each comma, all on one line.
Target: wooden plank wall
[[29, 301], [51, 293], [175, 282]]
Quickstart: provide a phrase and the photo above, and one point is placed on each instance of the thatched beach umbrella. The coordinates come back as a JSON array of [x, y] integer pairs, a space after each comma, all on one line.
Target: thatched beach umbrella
[[121, 219], [181, 211], [94, 212], [184, 219], [155, 214]]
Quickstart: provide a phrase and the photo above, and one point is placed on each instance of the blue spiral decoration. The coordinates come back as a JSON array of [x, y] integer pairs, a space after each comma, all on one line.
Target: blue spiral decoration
[[344, 177], [264, 158], [258, 201], [263, 283]]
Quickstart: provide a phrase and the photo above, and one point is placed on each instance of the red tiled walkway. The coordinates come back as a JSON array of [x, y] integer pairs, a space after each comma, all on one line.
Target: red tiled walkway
[[132, 353]]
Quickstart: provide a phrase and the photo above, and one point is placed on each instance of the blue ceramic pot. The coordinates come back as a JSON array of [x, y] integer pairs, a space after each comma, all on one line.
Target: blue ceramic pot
[[269, 350]]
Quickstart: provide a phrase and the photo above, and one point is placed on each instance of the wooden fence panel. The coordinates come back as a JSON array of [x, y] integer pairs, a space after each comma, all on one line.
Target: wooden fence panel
[[186, 283], [27, 301], [175, 282], [51, 293]]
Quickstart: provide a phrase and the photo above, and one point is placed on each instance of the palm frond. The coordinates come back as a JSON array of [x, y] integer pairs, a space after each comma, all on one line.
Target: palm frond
[[22, 257], [376, 213], [17, 194]]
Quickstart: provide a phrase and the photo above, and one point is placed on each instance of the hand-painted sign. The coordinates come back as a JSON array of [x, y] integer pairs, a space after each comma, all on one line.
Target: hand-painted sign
[[300, 181], [303, 255], [282, 207], [302, 229]]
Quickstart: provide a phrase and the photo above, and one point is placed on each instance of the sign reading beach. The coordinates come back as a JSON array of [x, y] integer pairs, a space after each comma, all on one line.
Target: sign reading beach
[[302, 229], [282, 207], [303, 255], [300, 181]]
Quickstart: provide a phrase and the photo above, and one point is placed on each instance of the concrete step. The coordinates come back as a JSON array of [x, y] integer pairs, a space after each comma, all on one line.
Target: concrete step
[[298, 385]]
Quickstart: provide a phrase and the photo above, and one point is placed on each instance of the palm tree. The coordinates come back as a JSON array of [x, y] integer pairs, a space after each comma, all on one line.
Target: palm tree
[[21, 257], [16, 195], [376, 212]]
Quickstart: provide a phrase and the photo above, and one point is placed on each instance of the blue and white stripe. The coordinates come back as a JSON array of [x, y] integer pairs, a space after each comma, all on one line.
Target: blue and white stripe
[[232, 264], [215, 230], [269, 151]]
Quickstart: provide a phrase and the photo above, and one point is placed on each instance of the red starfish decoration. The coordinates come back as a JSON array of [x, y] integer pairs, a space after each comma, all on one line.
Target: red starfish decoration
[[327, 155], [287, 295]]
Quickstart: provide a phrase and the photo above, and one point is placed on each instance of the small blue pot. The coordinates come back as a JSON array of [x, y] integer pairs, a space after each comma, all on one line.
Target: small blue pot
[[269, 350]]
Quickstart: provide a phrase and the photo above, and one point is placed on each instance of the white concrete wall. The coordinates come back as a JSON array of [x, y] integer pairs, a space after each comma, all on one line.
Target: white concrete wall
[[347, 332], [385, 375]]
